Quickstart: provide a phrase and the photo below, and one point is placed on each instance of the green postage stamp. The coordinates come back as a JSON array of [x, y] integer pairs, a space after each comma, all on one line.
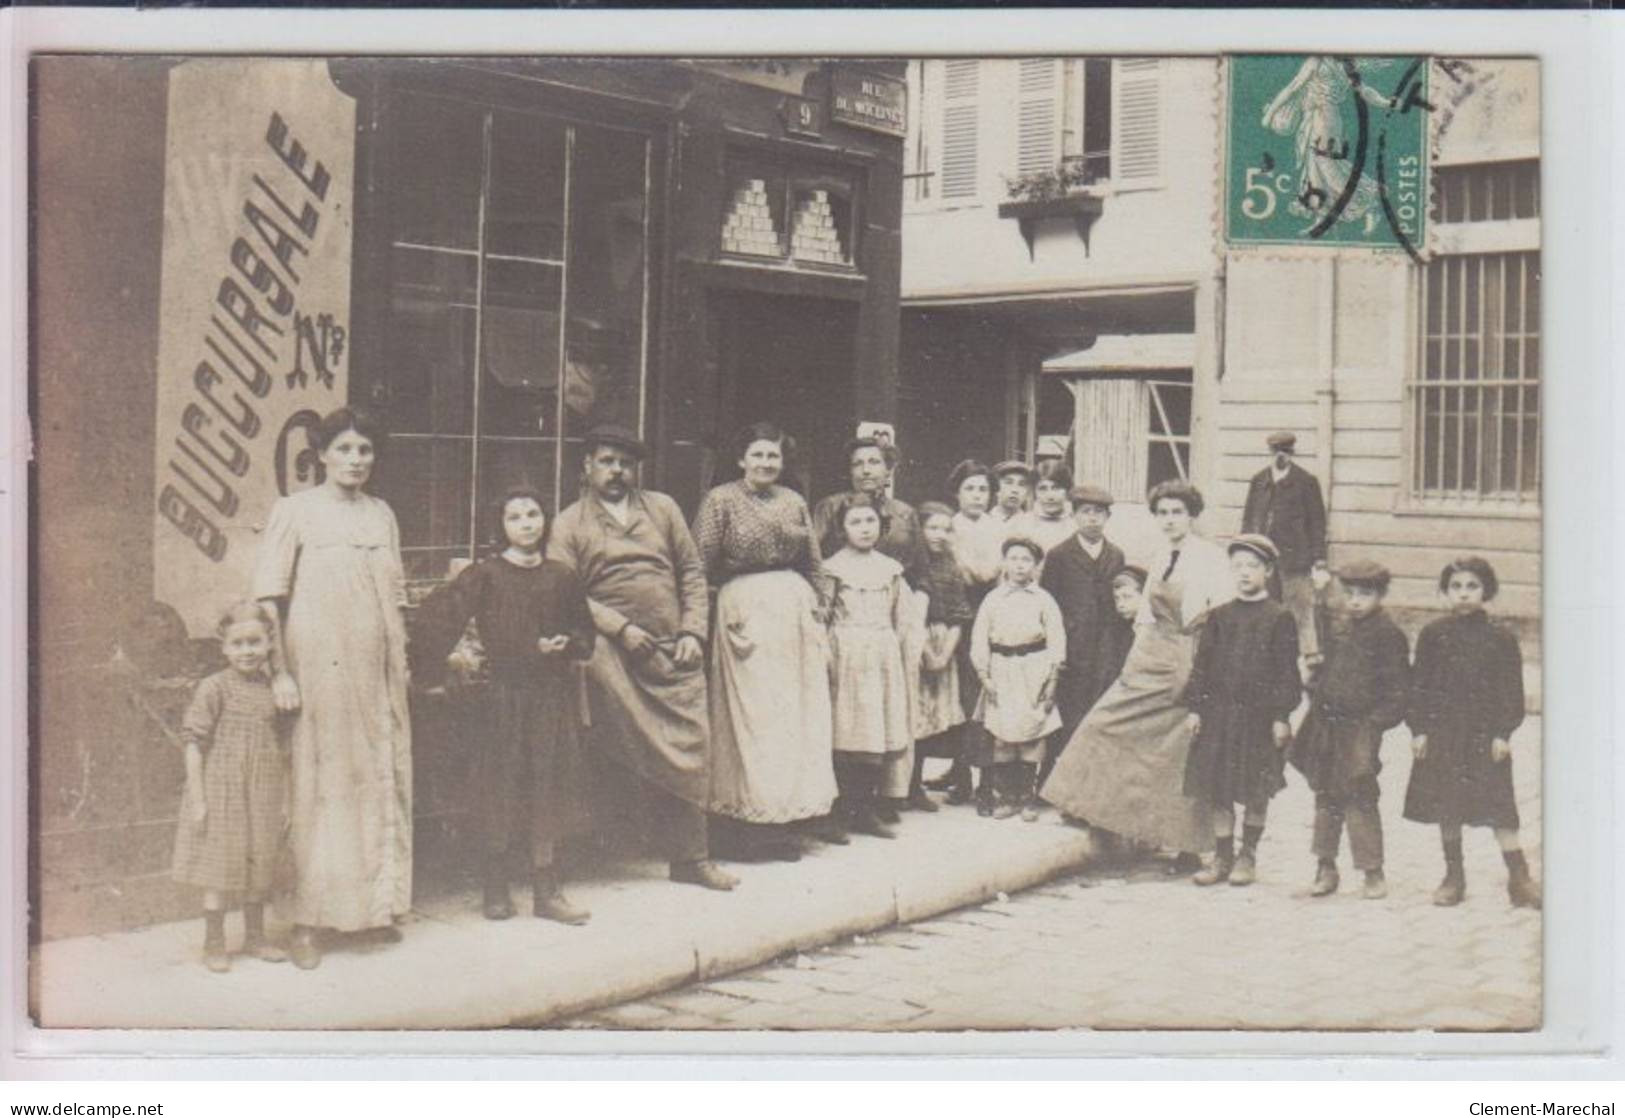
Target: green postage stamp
[[1327, 150]]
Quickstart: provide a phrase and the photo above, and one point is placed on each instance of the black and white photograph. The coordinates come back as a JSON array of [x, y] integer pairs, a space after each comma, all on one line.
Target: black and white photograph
[[873, 543]]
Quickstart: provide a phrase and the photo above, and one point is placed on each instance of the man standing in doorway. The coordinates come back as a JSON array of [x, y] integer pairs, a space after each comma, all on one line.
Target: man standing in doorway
[[1284, 504], [646, 590]]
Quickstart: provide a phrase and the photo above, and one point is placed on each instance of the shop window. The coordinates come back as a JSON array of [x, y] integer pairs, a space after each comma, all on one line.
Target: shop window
[[778, 214], [1126, 433], [517, 293]]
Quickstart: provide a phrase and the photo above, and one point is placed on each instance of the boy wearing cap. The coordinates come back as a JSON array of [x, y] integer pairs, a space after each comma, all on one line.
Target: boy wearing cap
[[1017, 645], [1013, 490], [1356, 694], [1078, 574], [1244, 685]]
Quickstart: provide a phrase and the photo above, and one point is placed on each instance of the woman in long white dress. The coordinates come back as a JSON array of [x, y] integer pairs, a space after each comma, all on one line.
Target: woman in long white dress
[[330, 565], [1123, 771]]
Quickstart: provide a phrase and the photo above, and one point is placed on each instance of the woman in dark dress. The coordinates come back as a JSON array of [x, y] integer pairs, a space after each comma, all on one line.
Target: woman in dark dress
[[1467, 699], [527, 775]]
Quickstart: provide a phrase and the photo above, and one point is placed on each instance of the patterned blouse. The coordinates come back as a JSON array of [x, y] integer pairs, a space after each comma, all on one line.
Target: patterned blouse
[[741, 530]]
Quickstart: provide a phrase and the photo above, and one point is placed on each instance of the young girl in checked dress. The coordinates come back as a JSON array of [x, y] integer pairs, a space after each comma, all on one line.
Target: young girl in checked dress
[[234, 809], [869, 600]]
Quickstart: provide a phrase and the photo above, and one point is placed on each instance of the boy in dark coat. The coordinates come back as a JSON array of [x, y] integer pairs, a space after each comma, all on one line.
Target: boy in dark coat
[[1078, 574], [1244, 685], [1359, 692], [1466, 699]]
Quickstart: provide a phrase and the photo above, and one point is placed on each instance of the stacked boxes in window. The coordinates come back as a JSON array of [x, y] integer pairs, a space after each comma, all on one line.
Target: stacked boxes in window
[[814, 236], [748, 227]]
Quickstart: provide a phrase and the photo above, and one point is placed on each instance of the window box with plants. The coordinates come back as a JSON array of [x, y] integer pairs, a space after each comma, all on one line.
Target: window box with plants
[[1058, 194]]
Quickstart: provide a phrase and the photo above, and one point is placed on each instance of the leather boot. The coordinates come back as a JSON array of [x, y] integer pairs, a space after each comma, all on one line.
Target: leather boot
[[303, 949], [1224, 858], [1245, 871], [1326, 880], [548, 901], [497, 904], [1521, 888], [254, 941], [1375, 887], [214, 941], [704, 873], [1453, 889]]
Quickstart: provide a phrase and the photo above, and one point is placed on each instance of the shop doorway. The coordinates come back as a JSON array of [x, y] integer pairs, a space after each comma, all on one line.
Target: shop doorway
[[787, 360]]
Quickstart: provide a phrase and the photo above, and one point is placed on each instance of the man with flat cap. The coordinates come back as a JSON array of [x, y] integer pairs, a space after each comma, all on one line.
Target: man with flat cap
[[1078, 574], [1284, 503], [646, 590]]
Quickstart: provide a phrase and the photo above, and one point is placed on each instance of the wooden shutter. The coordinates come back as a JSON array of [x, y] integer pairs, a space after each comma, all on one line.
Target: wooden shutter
[[961, 90], [1137, 123], [1108, 434], [1038, 123]]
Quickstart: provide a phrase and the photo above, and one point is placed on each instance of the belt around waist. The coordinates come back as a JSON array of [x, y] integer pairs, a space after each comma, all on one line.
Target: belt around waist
[[1019, 649]]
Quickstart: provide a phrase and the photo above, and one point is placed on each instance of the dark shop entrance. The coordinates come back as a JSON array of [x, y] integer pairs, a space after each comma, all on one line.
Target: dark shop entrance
[[788, 360]]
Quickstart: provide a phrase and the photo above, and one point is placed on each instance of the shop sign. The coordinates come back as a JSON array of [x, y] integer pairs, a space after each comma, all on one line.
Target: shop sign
[[868, 101], [254, 305], [1327, 150]]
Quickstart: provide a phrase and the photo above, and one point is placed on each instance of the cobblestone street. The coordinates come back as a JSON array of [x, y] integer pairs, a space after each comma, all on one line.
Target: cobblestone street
[[1130, 950]]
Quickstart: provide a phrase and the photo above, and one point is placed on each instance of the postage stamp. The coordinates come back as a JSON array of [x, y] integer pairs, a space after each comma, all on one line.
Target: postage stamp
[[1327, 150]]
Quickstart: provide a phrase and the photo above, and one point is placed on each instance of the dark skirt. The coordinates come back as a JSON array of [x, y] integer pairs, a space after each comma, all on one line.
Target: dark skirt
[[1234, 759], [1459, 784], [528, 781]]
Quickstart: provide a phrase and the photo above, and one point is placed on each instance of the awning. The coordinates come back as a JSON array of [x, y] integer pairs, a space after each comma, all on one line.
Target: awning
[[1128, 353]]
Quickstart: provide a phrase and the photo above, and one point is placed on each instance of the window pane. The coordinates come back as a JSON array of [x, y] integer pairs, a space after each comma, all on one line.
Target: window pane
[[1531, 290], [430, 353], [821, 227], [521, 348], [525, 214], [1097, 119], [753, 223], [1164, 463], [1529, 482], [1176, 405], [426, 482], [603, 375], [437, 156]]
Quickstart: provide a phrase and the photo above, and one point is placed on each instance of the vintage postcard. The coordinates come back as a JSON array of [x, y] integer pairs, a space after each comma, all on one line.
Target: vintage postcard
[[862, 544]]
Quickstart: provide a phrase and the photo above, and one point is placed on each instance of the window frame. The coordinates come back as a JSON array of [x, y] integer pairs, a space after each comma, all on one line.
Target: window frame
[[557, 438], [1510, 240]]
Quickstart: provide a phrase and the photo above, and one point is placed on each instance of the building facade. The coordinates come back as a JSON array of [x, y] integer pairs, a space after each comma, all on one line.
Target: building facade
[[490, 255], [1068, 290]]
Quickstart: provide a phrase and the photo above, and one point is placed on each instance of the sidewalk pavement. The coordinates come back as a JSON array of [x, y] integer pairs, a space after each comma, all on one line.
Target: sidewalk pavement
[[454, 969]]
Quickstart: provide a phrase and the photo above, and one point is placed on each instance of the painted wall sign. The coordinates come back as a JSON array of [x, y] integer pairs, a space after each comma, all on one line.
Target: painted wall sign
[[868, 101], [254, 311], [1327, 150]]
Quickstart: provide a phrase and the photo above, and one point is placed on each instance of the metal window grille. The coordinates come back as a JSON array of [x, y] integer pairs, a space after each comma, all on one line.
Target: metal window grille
[[1475, 399]]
